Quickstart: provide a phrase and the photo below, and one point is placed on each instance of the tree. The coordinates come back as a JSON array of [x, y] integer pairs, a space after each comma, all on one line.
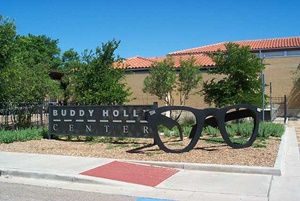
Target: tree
[[70, 62], [189, 78], [95, 80], [296, 77], [7, 52], [25, 62], [239, 70], [24, 70], [39, 50], [7, 39], [163, 81], [29, 73]]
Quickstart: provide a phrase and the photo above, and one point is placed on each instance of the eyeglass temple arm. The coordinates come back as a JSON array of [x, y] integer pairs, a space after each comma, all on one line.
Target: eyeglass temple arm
[[229, 116], [170, 123], [238, 114]]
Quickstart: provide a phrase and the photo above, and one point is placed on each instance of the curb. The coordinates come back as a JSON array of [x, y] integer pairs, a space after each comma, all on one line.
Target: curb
[[44, 175], [276, 170], [216, 168]]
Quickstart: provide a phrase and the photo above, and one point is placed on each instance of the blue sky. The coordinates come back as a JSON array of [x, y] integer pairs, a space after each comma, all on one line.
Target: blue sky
[[153, 28]]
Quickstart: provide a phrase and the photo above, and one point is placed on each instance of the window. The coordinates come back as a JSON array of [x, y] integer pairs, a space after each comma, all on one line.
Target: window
[[273, 54], [293, 53]]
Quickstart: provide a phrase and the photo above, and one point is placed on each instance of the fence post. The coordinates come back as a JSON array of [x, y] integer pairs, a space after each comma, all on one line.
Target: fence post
[[41, 114], [271, 104], [285, 110], [155, 106]]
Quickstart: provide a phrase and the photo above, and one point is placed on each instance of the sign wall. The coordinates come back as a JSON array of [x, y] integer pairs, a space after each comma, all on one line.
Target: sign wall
[[111, 121]]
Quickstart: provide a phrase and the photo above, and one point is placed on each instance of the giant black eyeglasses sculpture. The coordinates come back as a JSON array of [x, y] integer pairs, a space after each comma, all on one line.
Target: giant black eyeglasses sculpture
[[177, 129]]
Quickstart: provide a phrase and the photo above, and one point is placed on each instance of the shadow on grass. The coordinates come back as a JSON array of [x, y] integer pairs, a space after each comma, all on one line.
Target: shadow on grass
[[139, 150], [216, 144]]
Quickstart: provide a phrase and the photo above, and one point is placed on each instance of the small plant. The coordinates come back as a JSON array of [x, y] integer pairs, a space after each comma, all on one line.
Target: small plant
[[240, 133], [10, 136], [258, 145], [212, 131], [270, 129], [186, 130], [174, 132], [240, 129]]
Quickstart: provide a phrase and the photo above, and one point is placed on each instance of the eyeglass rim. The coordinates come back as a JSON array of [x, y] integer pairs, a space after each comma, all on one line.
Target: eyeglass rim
[[200, 115]]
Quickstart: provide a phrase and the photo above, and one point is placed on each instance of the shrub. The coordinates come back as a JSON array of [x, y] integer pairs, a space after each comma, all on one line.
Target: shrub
[[270, 129], [242, 129], [9, 136], [186, 130], [212, 131], [240, 133]]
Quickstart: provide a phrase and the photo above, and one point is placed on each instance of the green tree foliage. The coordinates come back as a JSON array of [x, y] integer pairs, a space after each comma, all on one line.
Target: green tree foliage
[[95, 81], [296, 77], [7, 38], [70, 62], [39, 50], [189, 78], [25, 64], [163, 81], [7, 49], [38, 56], [240, 82]]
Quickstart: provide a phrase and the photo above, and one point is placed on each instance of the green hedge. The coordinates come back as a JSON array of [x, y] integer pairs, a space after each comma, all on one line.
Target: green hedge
[[265, 131], [9, 136], [244, 129]]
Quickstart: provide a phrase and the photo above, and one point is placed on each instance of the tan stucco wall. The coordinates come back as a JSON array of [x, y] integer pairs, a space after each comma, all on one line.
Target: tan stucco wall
[[278, 71], [135, 81]]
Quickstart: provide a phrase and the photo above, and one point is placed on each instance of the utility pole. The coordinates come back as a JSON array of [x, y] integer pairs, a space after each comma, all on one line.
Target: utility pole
[[263, 95]]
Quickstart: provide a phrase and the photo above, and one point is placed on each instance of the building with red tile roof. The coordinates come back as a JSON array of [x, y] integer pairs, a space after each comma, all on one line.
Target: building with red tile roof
[[262, 45], [281, 56], [289, 46]]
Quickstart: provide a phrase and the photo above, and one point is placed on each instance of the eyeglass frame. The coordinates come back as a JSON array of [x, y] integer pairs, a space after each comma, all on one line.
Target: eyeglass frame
[[217, 120]]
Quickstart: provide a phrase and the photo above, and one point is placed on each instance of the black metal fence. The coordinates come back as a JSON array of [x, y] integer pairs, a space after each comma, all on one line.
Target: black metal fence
[[15, 115], [278, 107]]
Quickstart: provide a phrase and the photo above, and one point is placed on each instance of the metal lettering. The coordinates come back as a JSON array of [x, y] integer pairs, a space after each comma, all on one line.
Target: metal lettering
[[81, 113], [88, 128], [71, 127], [116, 113], [125, 129], [105, 113], [72, 113], [91, 112], [146, 130], [55, 127], [134, 113], [106, 128], [125, 113]]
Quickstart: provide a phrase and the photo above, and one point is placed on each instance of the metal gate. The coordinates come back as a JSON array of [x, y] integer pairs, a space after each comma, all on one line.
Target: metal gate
[[278, 107]]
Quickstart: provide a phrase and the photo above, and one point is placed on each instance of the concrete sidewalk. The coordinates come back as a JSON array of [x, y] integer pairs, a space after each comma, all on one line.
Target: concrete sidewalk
[[191, 182]]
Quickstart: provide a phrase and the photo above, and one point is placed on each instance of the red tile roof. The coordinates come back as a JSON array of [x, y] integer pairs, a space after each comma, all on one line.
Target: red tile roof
[[264, 44], [200, 56], [140, 62], [200, 60]]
